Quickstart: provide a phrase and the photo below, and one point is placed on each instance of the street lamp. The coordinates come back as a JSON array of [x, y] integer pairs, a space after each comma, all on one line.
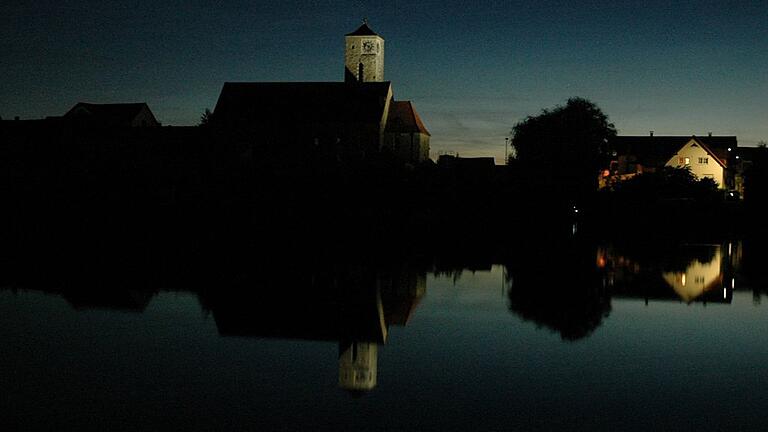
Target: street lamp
[[506, 146]]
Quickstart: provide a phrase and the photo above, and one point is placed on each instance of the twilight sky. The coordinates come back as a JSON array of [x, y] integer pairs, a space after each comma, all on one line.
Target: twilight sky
[[472, 68]]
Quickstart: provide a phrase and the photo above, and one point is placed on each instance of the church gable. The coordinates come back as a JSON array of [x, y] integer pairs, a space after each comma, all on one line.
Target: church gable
[[403, 118], [405, 135], [283, 106]]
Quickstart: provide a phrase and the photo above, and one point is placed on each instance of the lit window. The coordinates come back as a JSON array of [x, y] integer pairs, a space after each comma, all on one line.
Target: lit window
[[687, 161]]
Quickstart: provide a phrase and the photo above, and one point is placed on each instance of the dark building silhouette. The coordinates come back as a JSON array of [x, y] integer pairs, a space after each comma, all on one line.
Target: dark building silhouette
[[115, 115], [292, 119], [358, 117]]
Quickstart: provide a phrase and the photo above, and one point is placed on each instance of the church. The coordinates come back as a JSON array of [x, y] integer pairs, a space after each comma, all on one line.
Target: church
[[358, 117]]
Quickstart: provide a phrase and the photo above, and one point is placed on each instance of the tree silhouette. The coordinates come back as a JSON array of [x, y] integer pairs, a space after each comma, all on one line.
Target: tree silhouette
[[205, 119], [667, 183], [563, 148]]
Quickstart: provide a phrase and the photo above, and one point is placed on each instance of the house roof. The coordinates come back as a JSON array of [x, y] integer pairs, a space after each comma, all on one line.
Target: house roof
[[403, 118], [285, 105], [114, 114], [363, 30], [657, 150]]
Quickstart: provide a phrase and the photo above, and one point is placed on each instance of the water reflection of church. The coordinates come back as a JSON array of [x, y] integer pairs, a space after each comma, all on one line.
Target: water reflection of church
[[689, 273], [354, 309]]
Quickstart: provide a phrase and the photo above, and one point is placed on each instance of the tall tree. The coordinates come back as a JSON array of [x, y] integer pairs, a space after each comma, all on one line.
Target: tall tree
[[563, 149]]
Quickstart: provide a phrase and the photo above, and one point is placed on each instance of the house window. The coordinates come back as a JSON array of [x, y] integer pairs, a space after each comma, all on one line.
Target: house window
[[703, 160], [684, 161], [687, 161]]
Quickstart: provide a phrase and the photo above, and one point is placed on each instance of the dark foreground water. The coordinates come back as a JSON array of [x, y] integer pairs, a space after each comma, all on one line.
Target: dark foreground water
[[633, 343]]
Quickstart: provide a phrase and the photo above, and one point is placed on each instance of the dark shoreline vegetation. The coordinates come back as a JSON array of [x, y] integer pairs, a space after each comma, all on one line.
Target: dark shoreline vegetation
[[194, 178]]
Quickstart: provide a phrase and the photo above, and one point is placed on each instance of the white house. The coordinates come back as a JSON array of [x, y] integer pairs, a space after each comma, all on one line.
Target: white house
[[702, 161], [706, 157]]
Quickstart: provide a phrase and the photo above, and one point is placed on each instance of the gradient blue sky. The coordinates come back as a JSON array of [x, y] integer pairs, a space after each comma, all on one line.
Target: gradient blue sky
[[472, 69]]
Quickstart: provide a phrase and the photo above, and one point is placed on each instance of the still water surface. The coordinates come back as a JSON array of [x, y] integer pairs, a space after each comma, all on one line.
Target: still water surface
[[628, 346]]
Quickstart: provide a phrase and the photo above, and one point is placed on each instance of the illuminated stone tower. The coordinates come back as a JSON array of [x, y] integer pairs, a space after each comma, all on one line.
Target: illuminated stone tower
[[363, 55]]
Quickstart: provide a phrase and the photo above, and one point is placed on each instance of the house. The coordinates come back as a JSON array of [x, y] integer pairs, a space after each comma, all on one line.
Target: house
[[359, 116], [706, 157], [114, 115]]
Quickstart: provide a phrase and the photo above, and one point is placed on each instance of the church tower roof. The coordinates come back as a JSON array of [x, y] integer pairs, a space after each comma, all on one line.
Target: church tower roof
[[363, 30]]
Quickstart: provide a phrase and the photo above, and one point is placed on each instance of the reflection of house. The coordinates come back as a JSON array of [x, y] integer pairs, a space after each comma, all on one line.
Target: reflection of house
[[117, 115], [358, 116], [692, 273], [706, 157], [698, 278]]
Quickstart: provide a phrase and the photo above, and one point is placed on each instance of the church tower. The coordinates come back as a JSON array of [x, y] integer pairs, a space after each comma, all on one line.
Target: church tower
[[363, 55]]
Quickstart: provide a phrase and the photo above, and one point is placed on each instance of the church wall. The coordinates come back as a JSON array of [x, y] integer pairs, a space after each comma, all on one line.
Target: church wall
[[423, 147], [385, 117], [408, 147]]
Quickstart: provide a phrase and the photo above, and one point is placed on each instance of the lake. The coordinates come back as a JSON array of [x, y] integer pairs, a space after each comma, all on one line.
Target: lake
[[574, 337]]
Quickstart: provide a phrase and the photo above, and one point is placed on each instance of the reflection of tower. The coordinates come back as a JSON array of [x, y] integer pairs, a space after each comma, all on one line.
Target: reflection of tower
[[353, 307], [363, 56], [357, 365]]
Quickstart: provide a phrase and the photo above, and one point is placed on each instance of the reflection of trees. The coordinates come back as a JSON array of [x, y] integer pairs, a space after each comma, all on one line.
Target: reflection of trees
[[559, 289], [753, 271]]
